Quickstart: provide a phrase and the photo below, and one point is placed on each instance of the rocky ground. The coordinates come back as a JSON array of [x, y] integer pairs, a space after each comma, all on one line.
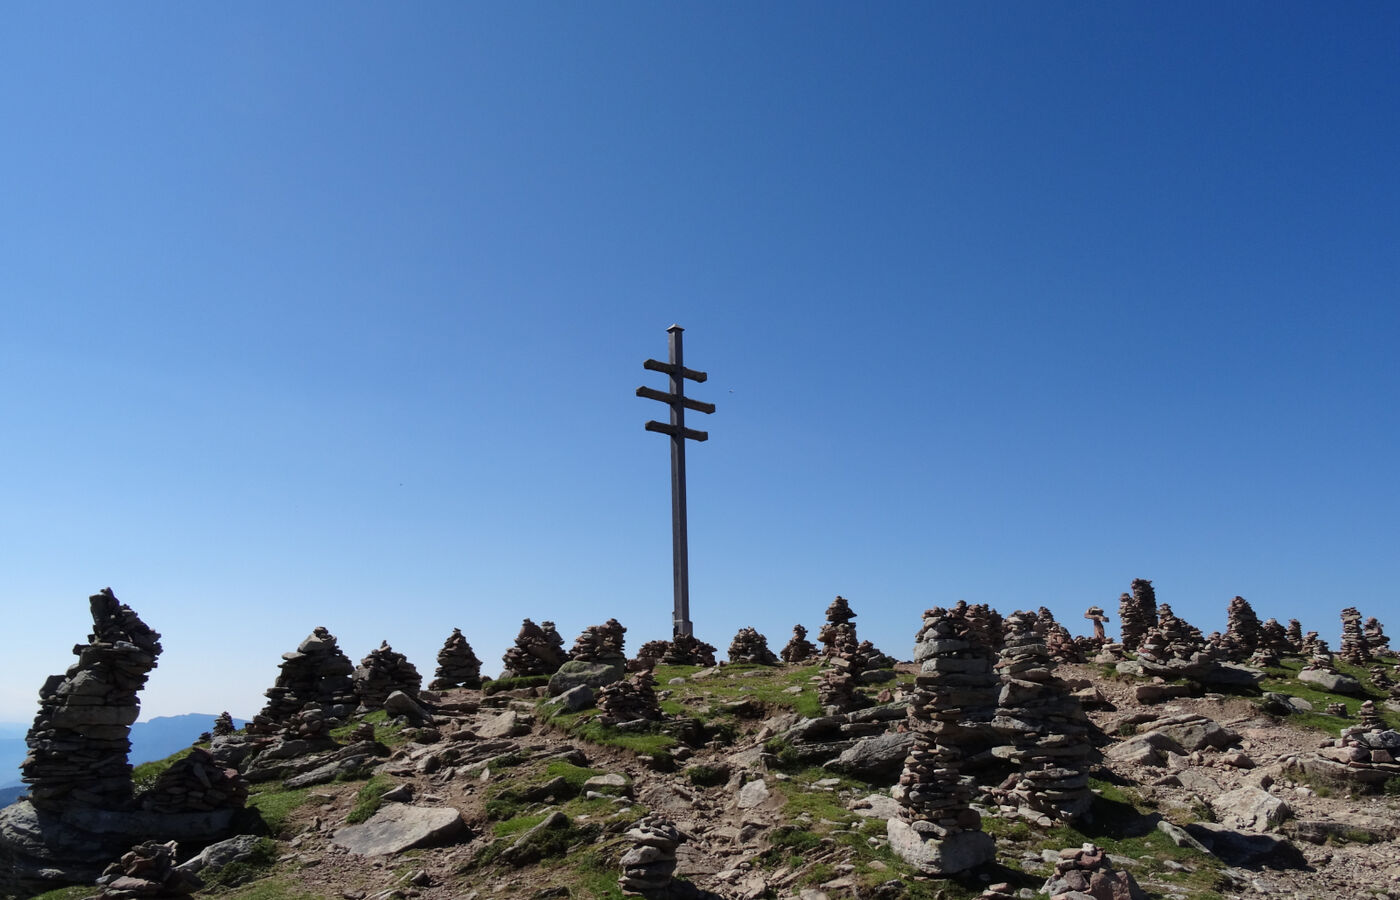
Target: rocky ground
[[507, 796]]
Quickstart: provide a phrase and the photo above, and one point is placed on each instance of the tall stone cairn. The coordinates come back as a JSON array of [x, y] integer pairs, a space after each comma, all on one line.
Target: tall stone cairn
[[838, 628], [1058, 641], [984, 624], [601, 643], [1368, 718], [799, 649], [837, 689], [536, 651], [382, 672], [688, 650], [317, 673], [1273, 638], [1353, 648], [749, 646], [1376, 639], [1043, 727], [955, 693], [80, 739], [1135, 619], [457, 665], [1241, 630], [1172, 638], [1295, 635], [223, 725], [647, 868]]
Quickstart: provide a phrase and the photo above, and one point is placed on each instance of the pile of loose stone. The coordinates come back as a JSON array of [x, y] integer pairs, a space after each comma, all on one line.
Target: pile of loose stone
[[1043, 730], [749, 646], [457, 665], [648, 868], [936, 829], [1364, 757], [799, 649], [147, 870], [1173, 648], [1085, 872], [538, 650], [382, 672], [629, 700], [79, 742], [1058, 641], [317, 674], [1137, 612], [196, 783]]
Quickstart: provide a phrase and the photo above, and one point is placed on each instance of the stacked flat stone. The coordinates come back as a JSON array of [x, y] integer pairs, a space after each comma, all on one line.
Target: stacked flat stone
[[1136, 618], [308, 723], [1376, 639], [1171, 639], [196, 783], [1336, 709], [954, 695], [147, 870], [1353, 648], [1368, 718], [838, 628], [1264, 658], [223, 724], [629, 700], [457, 665], [79, 742], [1241, 629], [799, 649], [1295, 635], [536, 651], [1314, 646], [1096, 615], [749, 646], [1085, 872], [1058, 641], [648, 868], [649, 655], [382, 672], [868, 657], [688, 650], [1381, 678], [1043, 728], [984, 624], [1273, 638], [318, 674], [601, 643]]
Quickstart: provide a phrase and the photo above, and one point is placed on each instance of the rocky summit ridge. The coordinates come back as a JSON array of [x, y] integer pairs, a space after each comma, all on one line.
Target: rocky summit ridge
[[1006, 758]]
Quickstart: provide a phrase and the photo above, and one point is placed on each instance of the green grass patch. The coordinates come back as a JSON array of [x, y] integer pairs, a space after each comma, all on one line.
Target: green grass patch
[[1283, 679], [77, 892], [274, 806], [144, 776], [385, 731], [369, 799], [276, 887], [584, 726]]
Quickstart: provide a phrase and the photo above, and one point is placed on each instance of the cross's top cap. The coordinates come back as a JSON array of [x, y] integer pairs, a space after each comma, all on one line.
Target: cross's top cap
[[675, 328]]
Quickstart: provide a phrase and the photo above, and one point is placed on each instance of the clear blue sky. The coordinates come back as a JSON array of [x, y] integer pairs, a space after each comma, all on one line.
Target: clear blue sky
[[333, 314]]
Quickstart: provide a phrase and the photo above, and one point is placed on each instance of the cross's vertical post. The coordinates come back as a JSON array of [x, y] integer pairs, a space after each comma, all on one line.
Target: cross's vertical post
[[679, 434]]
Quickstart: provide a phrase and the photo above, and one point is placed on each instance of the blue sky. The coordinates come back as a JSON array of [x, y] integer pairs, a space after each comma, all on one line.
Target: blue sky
[[333, 316]]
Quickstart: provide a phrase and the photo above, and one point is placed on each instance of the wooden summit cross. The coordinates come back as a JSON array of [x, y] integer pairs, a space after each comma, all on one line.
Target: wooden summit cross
[[679, 403]]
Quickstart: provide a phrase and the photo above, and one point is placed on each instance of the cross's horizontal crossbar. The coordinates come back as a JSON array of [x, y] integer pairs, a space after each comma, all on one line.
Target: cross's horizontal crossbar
[[687, 402], [671, 430], [657, 365]]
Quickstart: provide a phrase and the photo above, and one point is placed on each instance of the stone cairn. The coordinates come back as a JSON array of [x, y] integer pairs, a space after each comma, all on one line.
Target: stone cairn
[[1137, 611], [382, 672], [955, 693], [601, 644], [984, 624], [1295, 635], [1381, 678], [457, 665], [1376, 640], [1273, 638], [147, 870], [196, 783], [1058, 641], [1353, 648], [647, 869], [1096, 615], [223, 725], [749, 646], [648, 656], [316, 674], [1044, 730], [537, 651], [1368, 718], [1314, 647], [837, 689], [1085, 871], [1336, 709], [1241, 630], [629, 700], [838, 623], [799, 649], [871, 658], [80, 739], [1172, 639], [688, 650]]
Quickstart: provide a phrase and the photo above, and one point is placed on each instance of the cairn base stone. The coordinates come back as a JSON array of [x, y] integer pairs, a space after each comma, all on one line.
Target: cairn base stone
[[958, 852], [593, 674]]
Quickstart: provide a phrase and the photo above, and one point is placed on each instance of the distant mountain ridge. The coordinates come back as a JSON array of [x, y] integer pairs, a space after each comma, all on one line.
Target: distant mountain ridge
[[151, 740]]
